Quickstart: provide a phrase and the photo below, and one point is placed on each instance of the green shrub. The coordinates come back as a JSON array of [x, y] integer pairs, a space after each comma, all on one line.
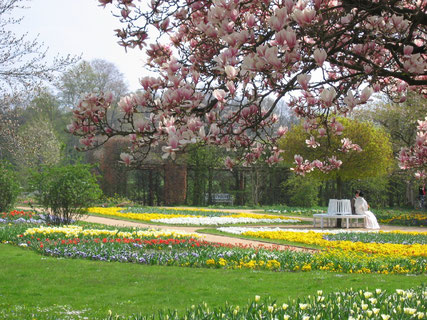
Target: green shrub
[[9, 187], [65, 191], [301, 191]]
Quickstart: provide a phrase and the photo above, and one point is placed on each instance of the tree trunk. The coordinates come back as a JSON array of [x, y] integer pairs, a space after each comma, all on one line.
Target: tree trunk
[[210, 177], [150, 188], [175, 184], [157, 178], [255, 187], [410, 194], [339, 188], [339, 196]]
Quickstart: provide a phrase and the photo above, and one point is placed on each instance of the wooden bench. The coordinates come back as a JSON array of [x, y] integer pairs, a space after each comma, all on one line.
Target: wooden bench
[[338, 209], [220, 198]]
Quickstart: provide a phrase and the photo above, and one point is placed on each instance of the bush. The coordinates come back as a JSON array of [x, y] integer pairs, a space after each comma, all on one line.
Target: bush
[[301, 191], [9, 187], [65, 191]]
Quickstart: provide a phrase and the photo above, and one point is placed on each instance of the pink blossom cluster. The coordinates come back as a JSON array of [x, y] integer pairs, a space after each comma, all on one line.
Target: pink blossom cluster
[[304, 166], [229, 63], [415, 157]]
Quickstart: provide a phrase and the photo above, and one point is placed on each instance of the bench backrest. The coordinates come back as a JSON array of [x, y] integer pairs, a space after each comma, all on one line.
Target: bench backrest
[[336, 206]]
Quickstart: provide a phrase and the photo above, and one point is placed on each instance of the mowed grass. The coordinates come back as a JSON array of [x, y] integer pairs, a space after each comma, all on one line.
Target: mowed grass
[[33, 282]]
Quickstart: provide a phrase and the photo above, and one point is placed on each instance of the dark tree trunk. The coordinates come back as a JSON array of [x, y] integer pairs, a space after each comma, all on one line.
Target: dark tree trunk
[[175, 184], [339, 196], [150, 188], [210, 182], [197, 186]]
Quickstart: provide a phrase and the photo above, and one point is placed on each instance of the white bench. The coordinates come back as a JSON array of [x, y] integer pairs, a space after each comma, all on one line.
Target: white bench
[[338, 209]]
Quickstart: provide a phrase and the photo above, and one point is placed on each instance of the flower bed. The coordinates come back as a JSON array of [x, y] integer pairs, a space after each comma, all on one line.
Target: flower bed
[[159, 248], [404, 219], [354, 241], [190, 216], [20, 216], [350, 304], [296, 211]]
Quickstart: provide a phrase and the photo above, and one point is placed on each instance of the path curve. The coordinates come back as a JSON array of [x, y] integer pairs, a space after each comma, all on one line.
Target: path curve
[[206, 237]]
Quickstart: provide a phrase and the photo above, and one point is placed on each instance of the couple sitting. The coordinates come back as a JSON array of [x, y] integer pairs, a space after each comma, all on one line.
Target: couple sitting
[[360, 206]]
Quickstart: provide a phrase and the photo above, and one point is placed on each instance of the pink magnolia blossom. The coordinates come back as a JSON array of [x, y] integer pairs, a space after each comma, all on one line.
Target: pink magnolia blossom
[[219, 95], [229, 163], [407, 50], [366, 94], [320, 56], [322, 132], [290, 37], [312, 143], [303, 80], [225, 66], [304, 17], [327, 96], [282, 131], [231, 72], [347, 145], [126, 158]]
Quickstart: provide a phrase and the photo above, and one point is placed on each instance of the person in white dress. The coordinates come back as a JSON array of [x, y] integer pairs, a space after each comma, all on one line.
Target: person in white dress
[[362, 207]]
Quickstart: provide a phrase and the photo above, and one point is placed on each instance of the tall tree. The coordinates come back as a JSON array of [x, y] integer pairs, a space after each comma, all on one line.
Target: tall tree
[[87, 77], [218, 61], [38, 145], [24, 63], [24, 68], [372, 160], [400, 121]]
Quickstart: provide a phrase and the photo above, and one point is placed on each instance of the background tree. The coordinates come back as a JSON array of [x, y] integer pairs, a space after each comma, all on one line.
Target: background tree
[[24, 64], [374, 160], [89, 76], [8, 185], [301, 191], [39, 144], [400, 121]]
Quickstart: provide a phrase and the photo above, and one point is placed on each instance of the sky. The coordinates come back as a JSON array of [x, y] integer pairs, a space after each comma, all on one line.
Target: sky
[[80, 27]]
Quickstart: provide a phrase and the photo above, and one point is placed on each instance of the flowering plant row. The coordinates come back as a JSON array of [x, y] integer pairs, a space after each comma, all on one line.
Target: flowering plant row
[[180, 210], [78, 231], [380, 237], [352, 241], [191, 217], [296, 211], [350, 304], [406, 219], [168, 249], [20, 216]]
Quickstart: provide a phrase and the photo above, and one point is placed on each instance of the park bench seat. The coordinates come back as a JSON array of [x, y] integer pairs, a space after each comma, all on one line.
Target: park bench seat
[[338, 209]]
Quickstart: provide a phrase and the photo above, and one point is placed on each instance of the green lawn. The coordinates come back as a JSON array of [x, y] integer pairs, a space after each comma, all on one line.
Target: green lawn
[[30, 282]]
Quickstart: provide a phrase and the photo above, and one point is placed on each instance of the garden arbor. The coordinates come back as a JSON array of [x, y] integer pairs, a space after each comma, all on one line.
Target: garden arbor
[[219, 61]]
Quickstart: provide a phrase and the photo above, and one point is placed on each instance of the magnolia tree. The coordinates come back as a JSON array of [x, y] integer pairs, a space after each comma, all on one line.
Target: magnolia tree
[[415, 157], [219, 61]]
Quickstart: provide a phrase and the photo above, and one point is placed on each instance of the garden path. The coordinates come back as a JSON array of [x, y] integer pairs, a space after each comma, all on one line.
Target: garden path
[[225, 239], [206, 237]]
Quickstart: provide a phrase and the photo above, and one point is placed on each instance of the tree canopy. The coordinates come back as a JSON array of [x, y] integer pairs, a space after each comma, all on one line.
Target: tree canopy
[[218, 61], [372, 160]]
